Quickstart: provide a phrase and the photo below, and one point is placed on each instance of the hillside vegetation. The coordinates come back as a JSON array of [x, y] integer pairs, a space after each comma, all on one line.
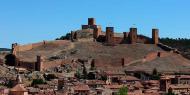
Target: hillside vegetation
[[182, 44]]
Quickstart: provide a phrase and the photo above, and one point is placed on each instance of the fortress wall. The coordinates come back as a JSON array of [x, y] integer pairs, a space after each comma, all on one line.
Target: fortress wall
[[45, 64], [27, 65], [24, 47], [168, 48], [163, 54], [50, 64], [151, 56], [165, 47], [117, 40], [114, 62], [141, 39], [35, 45]]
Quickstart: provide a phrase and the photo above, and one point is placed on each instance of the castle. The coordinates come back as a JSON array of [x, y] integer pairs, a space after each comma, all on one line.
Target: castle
[[109, 37]]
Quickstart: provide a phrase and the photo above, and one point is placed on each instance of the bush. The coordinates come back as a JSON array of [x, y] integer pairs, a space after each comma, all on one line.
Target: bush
[[155, 75], [10, 60], [50, 77], [123, 91], [38, 81]]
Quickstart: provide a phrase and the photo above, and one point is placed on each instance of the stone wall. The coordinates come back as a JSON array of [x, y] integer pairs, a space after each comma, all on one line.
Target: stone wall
[[50, 64], [27, 65], [117, 40], [118, 62], [18, 48], [153, 55], [41, 64]]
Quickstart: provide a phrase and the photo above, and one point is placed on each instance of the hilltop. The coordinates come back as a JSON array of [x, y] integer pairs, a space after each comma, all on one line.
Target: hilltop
[[109, 50], [109, 57]]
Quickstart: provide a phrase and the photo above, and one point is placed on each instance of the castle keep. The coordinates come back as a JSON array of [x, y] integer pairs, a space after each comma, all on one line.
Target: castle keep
[[92, 25], [110, 37]]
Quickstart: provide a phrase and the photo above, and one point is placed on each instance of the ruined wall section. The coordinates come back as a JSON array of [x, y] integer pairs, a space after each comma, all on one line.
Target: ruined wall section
[[41, 64], [153, 55], [18, 48], [27, 65]]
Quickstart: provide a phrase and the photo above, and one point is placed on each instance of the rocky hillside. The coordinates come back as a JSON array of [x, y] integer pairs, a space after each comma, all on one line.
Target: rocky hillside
[[183, 45], [109, 57]]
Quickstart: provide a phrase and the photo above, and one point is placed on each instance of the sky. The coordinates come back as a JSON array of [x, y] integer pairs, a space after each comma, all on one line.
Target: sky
[[30, 21]]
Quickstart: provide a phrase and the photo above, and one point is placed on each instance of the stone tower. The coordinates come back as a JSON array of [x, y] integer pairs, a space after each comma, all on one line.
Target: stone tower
[[14, 48], [91, 21], [109, 34], [97, 31], [39, 63], [155, 36], [133, 35]]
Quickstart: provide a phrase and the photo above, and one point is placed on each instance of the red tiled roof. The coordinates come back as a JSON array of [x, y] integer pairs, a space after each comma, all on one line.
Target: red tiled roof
[[138, 85], [92, 82], [180, 86], [113, 86], [81, 87], [18, 87], [114, 73], [129, 78], [184, 76]]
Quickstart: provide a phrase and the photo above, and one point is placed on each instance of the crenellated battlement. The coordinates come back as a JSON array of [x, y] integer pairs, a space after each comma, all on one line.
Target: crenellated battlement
[[109, 36]]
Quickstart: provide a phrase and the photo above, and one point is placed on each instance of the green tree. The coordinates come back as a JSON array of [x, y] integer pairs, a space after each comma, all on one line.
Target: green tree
[[85, 74], [37, 81], [154, 72], [123, 91], [9, 84], [78, 74], [155, 75], [169, 93], [50, 76]]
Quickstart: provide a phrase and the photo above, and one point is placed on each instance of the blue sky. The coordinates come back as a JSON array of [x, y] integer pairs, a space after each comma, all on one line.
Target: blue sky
[[28, 21]]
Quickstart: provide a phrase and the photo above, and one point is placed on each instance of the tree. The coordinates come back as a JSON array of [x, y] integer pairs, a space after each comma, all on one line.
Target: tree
[[37, 81], [78, 74], [123, 91], [154, 72], [170, 92], [9, 84], [49, 77], [66, 37], [155, 75], [85, 75], [10, 60]]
